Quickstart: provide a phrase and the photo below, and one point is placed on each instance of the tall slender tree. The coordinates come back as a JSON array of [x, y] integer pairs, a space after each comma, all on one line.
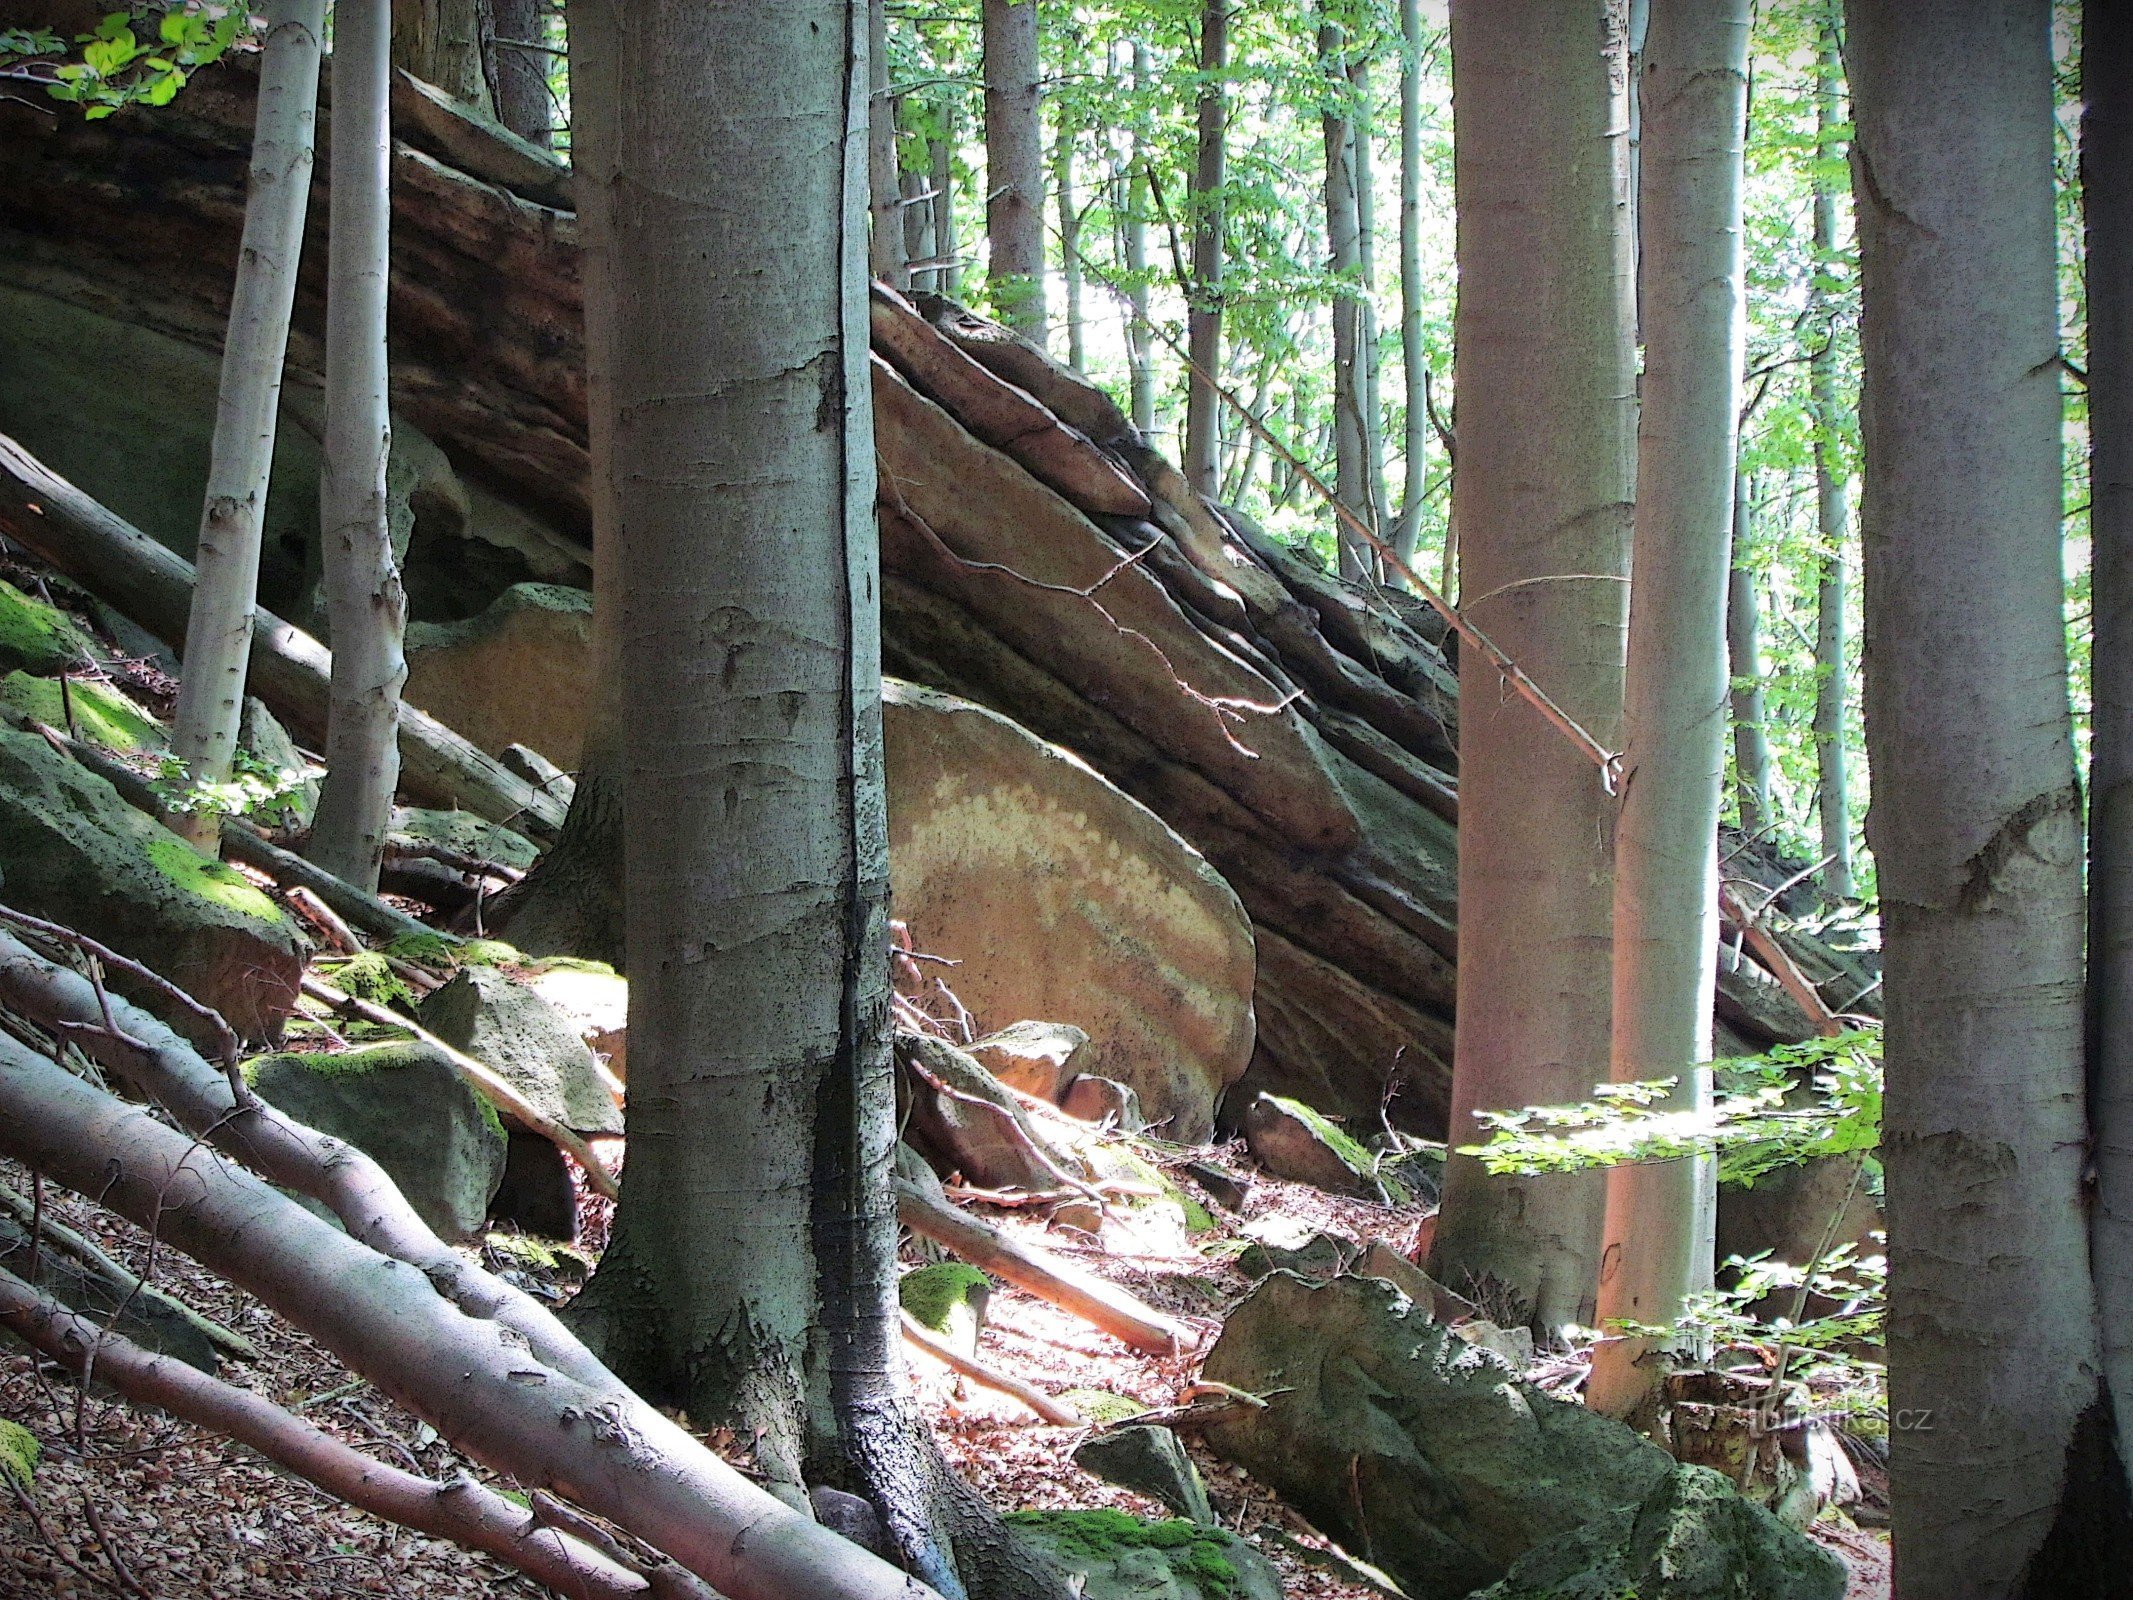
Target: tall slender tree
[[1832, 631], [520, 70], [1014, 166], [1344, 259], [1069, 204], [2000, 1454], [940, 154], [1744, 649], [752, 1273], [1414, 361], [2107, 203], [366, 608], [1203, 317], [218, 636], [1140, 345], [1362, 135], [1693, 82], [1542, 502], [885, 193]]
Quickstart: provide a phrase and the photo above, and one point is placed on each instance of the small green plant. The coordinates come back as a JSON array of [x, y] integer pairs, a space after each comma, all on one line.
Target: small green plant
[[264, 793], [116, 66]]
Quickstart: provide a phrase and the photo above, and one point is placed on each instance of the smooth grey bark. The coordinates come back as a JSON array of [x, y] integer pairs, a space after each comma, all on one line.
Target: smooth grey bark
[[440, 42], [918, 225], [1832, 632], [1140, 353], [1014, 166], [2107, 204], [366, 608], [948, 276], [1414, 363], [1069, 242], [1744, 650], [1344, 259], [1542, 502], [1661, 1216], [751, 1276], [2001, 1482], [1361, 133], [521, 74], [1203, 316], [247, 406], [885, 232]]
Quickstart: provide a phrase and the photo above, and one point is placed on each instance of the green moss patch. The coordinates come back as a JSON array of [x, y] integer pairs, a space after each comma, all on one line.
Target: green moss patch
[[210, 880], [931, 1293], [1101, 1405], [103, 715], [38, 637], [370, 976], [19, 1453], [1344, 1145], [1102, 1535]]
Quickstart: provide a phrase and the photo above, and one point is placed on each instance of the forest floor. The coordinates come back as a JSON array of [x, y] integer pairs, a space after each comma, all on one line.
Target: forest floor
[[128, 1502]]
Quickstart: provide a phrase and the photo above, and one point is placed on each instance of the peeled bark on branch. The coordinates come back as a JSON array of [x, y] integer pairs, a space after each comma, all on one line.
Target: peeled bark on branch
[[593, 1443]]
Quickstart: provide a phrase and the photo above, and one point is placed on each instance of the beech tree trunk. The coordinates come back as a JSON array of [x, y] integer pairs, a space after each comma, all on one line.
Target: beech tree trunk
[[1832, 631], [1069, 242], [1014, 166], [440, 42], [948, 277], [885, 235], [2001, 1469], [2107, 203], [1366, 233], [1414, 363], [241, 458], [751, 1276], [1140, 347], [1543, 493], [1744, 648], [1203, 317], [366, 608], [1662, 1216], [1344, 258], [521, 72]]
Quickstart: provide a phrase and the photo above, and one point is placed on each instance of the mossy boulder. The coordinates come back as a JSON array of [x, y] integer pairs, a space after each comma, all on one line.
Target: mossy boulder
[[505, 1025], [1691, 1538], [1121, 1557], [72, 851], [1293, 1141], [1148, 1460], [263, 737], [518, 673], [406, 1106], [39, 637], [101, 712], [1391, 1433], [463, 833]]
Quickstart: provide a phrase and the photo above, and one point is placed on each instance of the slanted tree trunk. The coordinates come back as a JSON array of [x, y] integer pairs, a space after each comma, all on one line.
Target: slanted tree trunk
[[885, 235], [1661, 1217], [1069, 241], [1744, 649], [1833, 794], [1014, 166], [1543, 493], [2001, 1470], [366, 608], [1414, 363], [520, 70], [241, 458], [2107, 203], [1344, 259], [441, 42], [751, 1276], [1203, 317], [1140, 353]]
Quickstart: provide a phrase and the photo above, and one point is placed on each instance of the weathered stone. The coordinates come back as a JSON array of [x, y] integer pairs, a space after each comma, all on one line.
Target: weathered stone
[[1380, 1260], [1690, 1538], [536, 1194], [1292, 1141], [966, 1121], [39, 637], [505, 1025], [1039, 1058], [1118, 1557], [407, 1107], [597, 1002], [1289, 1244], [1225, 1188], [1398, 1439], [1090, 1098], [519, 673], [463, 833], [268, 742], [102, 713], [1150, 1461], [72, 851], [1063, 898]]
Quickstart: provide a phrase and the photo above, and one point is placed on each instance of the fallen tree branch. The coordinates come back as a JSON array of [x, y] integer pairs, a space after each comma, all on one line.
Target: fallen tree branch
[[1056, 1412], [1124, 1316], [581, 1434], [1779, 960], [485, 1080], [462, 1510]]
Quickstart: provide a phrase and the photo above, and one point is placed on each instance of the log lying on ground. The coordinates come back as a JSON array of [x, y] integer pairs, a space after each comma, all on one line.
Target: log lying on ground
[[1124, 1316], [462, 1510], [289, 669], [539, 1407]]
